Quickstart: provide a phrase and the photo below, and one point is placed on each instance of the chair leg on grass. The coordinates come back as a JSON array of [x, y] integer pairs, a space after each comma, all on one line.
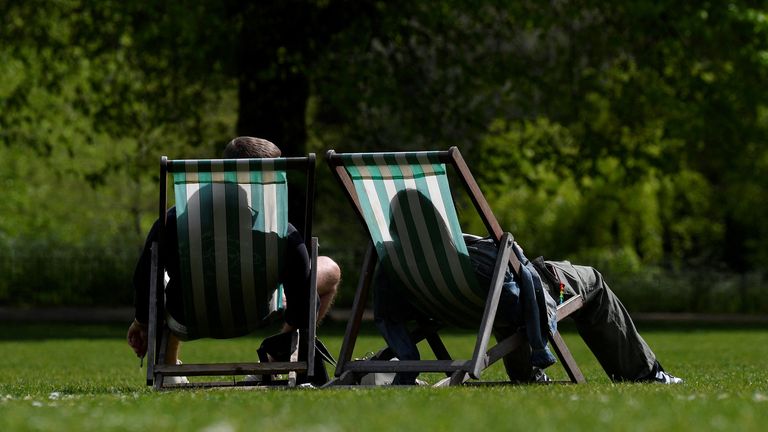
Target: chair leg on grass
[[569, 364], [458, 378], [294, 357], [346, 378]]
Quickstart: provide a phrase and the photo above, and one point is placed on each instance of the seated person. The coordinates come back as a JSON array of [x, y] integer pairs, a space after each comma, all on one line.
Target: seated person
[[294, 277], [603, 322]]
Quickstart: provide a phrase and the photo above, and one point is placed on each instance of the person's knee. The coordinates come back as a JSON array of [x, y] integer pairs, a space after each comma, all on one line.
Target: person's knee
[[328, 276]]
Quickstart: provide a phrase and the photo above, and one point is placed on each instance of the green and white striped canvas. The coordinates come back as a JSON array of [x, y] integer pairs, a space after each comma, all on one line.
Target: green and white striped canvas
[[408, 208], [232, 220]]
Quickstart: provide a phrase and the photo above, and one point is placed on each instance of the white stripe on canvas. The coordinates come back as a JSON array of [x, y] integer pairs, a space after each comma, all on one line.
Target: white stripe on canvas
[[370, 191], [196, 252]]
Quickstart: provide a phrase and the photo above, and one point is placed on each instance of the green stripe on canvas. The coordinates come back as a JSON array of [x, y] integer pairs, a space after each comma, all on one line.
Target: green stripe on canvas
[[207, 246], [259, 243]]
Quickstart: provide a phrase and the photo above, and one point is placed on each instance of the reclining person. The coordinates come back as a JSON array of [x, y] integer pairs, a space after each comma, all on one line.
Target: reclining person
[[603, 322]]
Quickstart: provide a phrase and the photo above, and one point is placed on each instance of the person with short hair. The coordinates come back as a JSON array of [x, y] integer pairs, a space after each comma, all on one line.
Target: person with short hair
[[294, 277]]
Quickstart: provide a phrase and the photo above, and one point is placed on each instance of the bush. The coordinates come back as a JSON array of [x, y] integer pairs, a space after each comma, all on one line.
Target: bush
[[51, 273], [654, 289]]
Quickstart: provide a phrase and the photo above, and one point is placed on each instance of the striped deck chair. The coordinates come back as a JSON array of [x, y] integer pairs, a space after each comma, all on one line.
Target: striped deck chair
[[231, 223], [405, 202]]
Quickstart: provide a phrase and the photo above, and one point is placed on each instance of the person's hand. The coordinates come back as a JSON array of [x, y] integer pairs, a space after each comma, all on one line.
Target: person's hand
[[137, 338]]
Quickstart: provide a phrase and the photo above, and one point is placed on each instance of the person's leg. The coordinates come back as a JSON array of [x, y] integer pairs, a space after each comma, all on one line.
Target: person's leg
[[172, 350], [391, 311], [172, 358], [605, 324], [328, 278], [518, 362], [175, 318]]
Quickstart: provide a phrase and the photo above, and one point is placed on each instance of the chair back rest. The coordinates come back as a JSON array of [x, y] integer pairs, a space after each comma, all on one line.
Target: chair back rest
[[232, 221], [406, 203]]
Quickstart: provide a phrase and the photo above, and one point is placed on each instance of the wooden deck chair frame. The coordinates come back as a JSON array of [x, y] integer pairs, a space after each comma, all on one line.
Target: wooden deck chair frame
[[349, 372], [158, 330]]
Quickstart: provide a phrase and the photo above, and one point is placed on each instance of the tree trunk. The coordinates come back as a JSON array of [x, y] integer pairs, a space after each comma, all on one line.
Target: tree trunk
[[273, 86], [274, 109]]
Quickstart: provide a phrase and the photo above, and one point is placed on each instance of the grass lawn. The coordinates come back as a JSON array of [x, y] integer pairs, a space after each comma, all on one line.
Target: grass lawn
[[67, 377]]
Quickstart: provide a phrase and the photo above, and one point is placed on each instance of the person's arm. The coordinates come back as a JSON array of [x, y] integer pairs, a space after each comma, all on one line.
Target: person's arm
[[295, 280], [137, 332], [141, 277]]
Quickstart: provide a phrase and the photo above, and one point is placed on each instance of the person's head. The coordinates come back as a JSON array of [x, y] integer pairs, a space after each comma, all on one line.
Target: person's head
[[250, 147], [411, 204]]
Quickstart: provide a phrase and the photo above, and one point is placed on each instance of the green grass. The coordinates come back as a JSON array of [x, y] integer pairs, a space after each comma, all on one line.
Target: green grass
[[65, 377]]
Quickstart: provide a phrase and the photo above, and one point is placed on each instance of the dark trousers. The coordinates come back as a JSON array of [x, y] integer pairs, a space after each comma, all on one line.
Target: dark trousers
[[603, 323]]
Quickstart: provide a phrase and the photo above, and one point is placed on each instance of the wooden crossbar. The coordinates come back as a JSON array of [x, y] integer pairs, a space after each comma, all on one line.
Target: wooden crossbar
[[230, 368]]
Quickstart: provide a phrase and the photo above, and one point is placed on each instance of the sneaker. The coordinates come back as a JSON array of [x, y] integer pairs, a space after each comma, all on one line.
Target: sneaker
[[662, 377], [445, 382], [259, 379], [251, 379], [659, 376], [176, 379], [539, 376]]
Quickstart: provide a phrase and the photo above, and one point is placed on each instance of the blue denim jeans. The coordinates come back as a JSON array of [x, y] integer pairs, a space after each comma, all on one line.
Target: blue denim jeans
[[526, 298], [517, 307]]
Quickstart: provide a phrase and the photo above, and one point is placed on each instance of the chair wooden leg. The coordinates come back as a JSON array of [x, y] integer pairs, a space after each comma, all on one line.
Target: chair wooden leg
[[294, 357], [458, 378], [358, 307], [347, 378], [161, 353], [569, 364], [312, 329], [152, 324], [479, 356], [438, 347]]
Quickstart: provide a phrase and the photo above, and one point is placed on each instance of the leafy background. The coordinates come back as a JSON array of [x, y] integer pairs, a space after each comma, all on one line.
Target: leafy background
[[630, 136]]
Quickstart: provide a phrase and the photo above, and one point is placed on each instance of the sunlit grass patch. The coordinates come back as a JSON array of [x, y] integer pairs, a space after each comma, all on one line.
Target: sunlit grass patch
[[59, 378]]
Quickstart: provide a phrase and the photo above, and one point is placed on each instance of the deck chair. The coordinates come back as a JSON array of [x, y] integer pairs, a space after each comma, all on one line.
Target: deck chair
[[231, 218], [433, 267]]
